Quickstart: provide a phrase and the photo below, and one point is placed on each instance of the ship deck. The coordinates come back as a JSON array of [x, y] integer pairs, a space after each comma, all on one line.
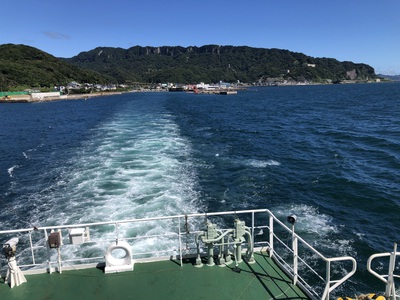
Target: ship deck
[[162, 279]]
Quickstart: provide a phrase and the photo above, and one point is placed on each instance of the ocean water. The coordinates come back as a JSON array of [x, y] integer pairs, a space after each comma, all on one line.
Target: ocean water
[[329, 154]]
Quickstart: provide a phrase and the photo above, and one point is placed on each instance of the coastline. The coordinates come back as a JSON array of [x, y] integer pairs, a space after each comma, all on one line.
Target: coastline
[[29, 99]]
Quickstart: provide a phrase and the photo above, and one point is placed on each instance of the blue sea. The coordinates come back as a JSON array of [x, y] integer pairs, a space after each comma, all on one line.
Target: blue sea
[[329, 154]]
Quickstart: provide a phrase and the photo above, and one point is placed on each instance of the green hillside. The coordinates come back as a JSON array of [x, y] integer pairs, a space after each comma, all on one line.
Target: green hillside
[[212, 63], [26, 66]]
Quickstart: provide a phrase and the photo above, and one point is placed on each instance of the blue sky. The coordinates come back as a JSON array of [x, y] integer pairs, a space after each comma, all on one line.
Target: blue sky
[[362, 31]]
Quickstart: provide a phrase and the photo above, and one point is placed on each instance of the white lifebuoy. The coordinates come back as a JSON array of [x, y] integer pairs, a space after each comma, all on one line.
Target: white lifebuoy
[[115, 264]]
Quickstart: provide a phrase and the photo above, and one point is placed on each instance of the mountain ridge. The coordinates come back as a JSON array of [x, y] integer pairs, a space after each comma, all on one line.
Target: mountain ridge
[[22, 65], [212, 63]]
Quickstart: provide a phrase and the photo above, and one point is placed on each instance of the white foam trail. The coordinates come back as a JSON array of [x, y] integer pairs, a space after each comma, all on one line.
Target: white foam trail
[[317, 229], [262, 163], [309, 220], [272, 162], [11, 170], [136, 166]]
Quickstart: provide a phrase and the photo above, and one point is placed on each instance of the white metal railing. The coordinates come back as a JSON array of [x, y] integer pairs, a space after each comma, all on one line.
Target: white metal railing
[[329, 283], [180, 232], [389, 279]]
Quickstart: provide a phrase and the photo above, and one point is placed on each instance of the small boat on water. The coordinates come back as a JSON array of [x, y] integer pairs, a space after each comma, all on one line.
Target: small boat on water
[[228, 92], [176, 89], [248, 254]]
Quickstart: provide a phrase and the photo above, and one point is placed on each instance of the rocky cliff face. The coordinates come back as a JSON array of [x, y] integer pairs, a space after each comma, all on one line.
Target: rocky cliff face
[[212, 63], [351, 74]]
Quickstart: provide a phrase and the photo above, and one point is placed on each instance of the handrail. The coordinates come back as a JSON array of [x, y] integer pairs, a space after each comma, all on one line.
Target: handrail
[[390, 291], [336, 283], [267, 219], [208, 214], [369, 262], [328, 288]]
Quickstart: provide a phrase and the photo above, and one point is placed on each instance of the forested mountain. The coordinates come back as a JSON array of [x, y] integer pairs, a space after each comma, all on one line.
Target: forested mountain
[[212, 63], [26, 66], [23, 66]]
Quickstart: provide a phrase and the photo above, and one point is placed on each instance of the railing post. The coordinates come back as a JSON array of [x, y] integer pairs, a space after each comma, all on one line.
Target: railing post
[[295, 256], [325, 296], [390, 288], [30, 243], [180, 240], [252, 229], [271, 236], [48, 251]]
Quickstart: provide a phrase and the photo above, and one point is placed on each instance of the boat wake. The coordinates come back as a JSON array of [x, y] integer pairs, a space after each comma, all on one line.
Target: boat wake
[[135, 166]]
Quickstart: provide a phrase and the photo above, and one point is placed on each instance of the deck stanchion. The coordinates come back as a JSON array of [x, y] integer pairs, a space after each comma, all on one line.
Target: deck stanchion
[[295, 256], [292, 220], [48, 250], [252, 229], [271, 235], [390, 287], [30, 243], [180, 240], [325, 296]]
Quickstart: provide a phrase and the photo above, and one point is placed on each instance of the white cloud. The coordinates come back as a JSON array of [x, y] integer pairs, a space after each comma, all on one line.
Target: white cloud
[[56, 35]]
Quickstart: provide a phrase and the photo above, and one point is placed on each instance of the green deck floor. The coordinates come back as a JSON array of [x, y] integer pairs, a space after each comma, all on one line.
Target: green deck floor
[[165, 280]]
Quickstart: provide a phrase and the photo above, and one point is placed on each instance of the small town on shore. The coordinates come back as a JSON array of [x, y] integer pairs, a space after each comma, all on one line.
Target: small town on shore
[[75, 90]]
